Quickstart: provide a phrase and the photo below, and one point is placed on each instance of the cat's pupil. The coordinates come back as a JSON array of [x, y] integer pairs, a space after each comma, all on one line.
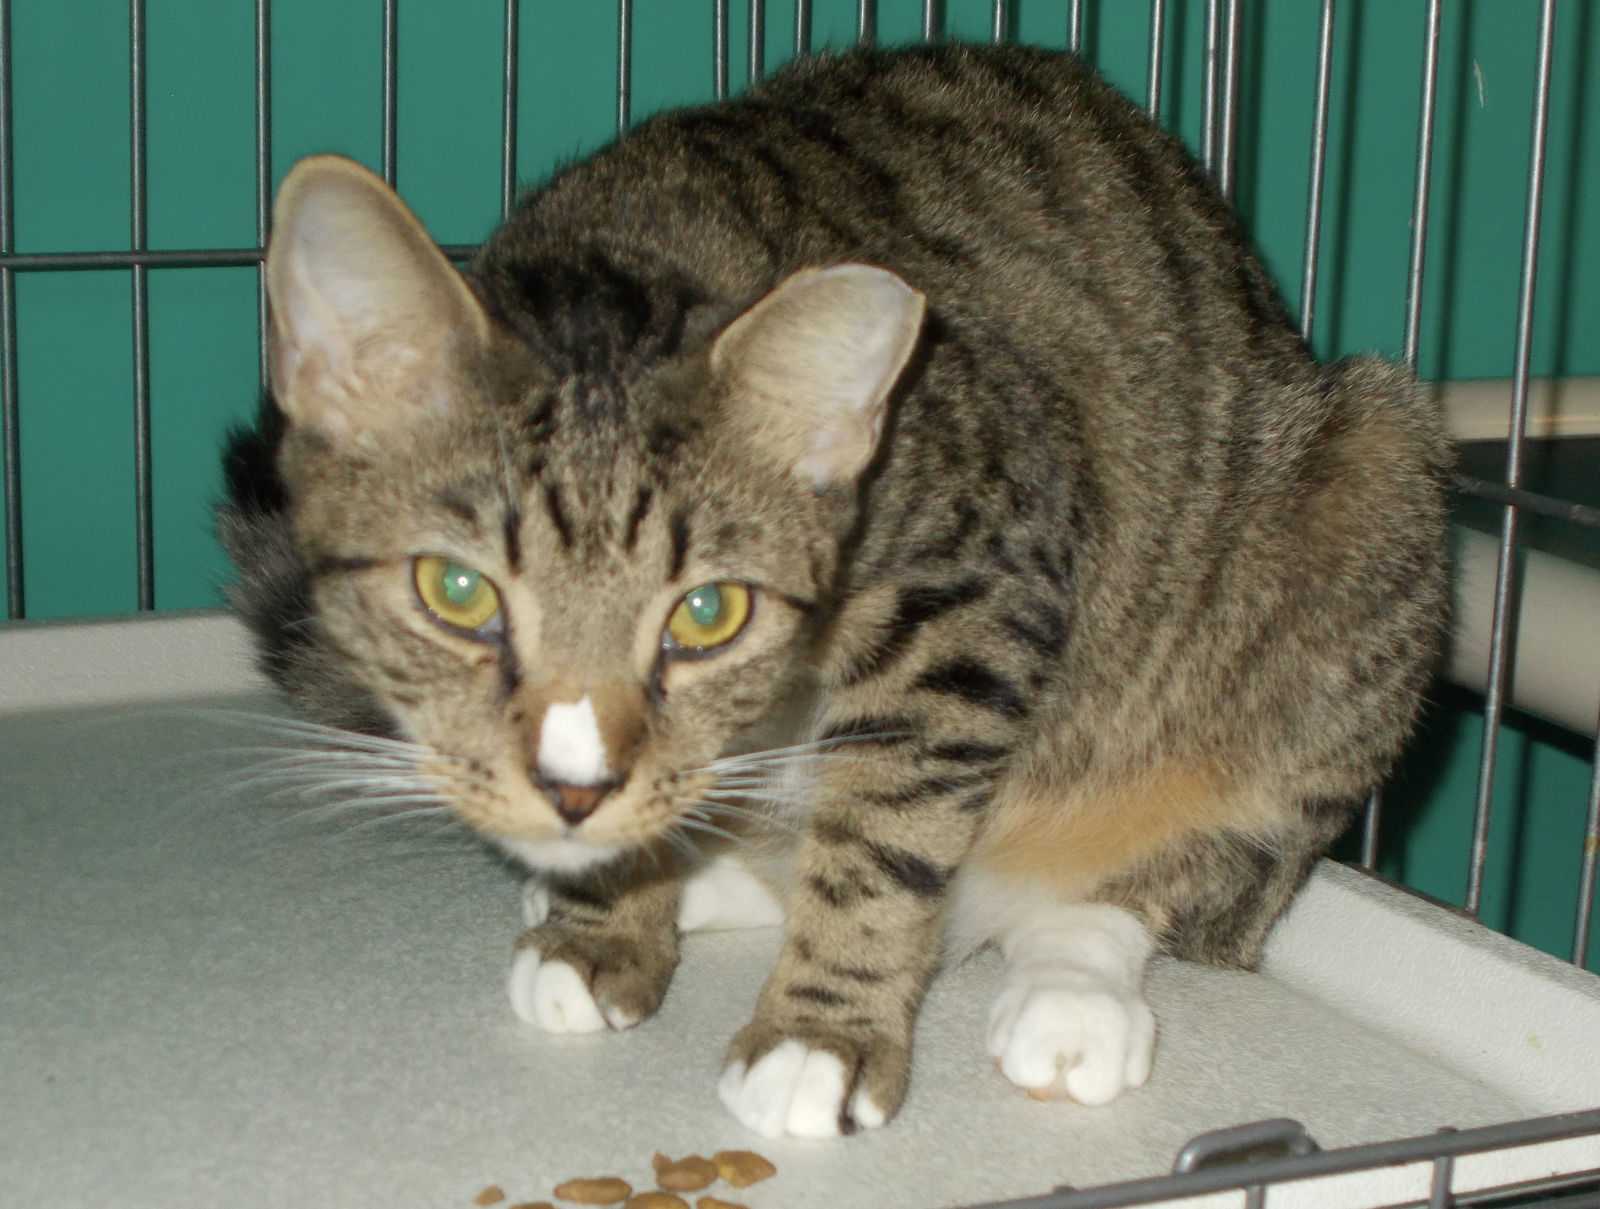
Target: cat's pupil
[[705, 605], [460, 584]]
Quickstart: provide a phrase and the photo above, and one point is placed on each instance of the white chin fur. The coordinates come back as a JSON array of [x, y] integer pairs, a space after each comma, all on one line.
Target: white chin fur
[[558, 855]]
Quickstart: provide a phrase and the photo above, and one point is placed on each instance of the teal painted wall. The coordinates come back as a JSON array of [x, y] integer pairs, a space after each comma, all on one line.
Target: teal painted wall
[[71, 157]]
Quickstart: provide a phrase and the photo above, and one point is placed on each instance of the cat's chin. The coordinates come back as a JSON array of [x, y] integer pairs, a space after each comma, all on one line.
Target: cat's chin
[[557, 855]]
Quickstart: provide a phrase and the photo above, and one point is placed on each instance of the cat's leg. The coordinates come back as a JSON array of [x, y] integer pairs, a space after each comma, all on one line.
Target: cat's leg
[[828, 1049], [1070, 1017], [597, 954]]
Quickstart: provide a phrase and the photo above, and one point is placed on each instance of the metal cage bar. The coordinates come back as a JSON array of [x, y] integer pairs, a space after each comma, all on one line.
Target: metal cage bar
[[263, 175], [139, 222], [719, 49], [1075, 26], [1158, 47], [1210, 84], [391, 89], [1419, 209], [1501, 632], [758, 39], [866, 22], [1227, 108], [10, 426], [802, 27], [999, 21], [1319, 163], [509, 80], [930, 20], [624, 64]]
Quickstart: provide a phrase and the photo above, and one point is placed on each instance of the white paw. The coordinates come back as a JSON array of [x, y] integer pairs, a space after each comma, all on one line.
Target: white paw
[[795, 1090], [1071, 1031], [724, 894], [535, 903], [553, 995]]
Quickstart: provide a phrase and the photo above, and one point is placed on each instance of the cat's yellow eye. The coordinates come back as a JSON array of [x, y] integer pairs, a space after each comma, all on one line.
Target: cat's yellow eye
[[457, 595], [709, 617]]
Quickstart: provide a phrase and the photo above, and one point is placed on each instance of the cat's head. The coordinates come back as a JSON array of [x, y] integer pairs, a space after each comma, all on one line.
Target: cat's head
[[579, 583]]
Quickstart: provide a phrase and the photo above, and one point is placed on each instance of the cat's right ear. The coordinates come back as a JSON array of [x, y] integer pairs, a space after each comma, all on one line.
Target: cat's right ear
[[366, 311], [813, 364]]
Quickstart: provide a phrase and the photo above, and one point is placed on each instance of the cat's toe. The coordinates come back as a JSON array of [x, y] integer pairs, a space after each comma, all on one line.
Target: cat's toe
[[1085, 1039], [553, 995], [803, 1092]]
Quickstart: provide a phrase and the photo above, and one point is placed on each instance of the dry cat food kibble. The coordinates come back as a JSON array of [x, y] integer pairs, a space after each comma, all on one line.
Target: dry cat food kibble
[[685, 1175], [606, 1190], [492, 1195], [657, 1200], [711, 1202], [741, 1168]]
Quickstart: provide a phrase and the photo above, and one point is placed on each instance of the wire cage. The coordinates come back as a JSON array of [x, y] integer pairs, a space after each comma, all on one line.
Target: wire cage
[[1215, 70]]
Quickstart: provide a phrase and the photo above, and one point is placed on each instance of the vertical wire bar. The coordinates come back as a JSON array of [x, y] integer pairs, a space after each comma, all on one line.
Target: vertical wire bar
[[999, 18], [1413, 327], [1228, 109], [1208, 111], [263, 174], [758, 39], [719, 50], [624, 64], [1158, 47], [802, 28], [509, 80], [1319, 160], [144, 521], [1587, 865], [1501, 636], [930, 20], [391, 93], [1419, 209], [866, 22], [10, 416], [1075, 26]]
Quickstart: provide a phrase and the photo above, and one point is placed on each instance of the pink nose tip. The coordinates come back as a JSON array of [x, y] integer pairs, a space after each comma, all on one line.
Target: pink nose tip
[[574, 803]]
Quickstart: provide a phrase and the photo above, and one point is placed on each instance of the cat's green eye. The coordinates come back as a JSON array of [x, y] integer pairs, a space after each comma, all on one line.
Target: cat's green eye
[[456, 594], [709, 617]]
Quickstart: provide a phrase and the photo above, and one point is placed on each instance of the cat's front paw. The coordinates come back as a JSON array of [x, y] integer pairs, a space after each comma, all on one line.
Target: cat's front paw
[[570, 982], [1072, 1034], [821, 1085]]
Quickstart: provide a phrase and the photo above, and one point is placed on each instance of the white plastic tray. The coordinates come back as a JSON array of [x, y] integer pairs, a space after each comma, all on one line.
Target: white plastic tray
[[208, 999]]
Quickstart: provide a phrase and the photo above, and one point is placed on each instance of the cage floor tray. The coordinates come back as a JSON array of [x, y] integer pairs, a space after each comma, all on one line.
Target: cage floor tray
[[207, 998]]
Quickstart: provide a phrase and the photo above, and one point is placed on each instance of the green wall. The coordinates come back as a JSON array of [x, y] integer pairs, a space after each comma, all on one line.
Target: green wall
[[71, 160]]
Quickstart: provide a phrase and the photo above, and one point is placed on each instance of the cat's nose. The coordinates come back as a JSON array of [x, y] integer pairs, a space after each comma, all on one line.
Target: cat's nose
[[574, 803]]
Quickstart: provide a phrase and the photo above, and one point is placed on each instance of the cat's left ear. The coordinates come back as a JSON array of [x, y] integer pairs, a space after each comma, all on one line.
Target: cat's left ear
[[812, 365], [367, 314]]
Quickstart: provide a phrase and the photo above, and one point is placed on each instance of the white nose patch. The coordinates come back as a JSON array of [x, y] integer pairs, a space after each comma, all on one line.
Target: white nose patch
[[571, 750]]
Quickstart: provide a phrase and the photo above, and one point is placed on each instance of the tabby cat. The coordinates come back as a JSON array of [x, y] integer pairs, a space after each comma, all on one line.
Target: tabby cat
[[896, 493]]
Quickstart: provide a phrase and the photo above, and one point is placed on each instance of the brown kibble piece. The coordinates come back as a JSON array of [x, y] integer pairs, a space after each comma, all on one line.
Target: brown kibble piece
[[606, 1190], [492, 1195], [685, 1175], [741, 1168], [657, 1200], [711, 1202]]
